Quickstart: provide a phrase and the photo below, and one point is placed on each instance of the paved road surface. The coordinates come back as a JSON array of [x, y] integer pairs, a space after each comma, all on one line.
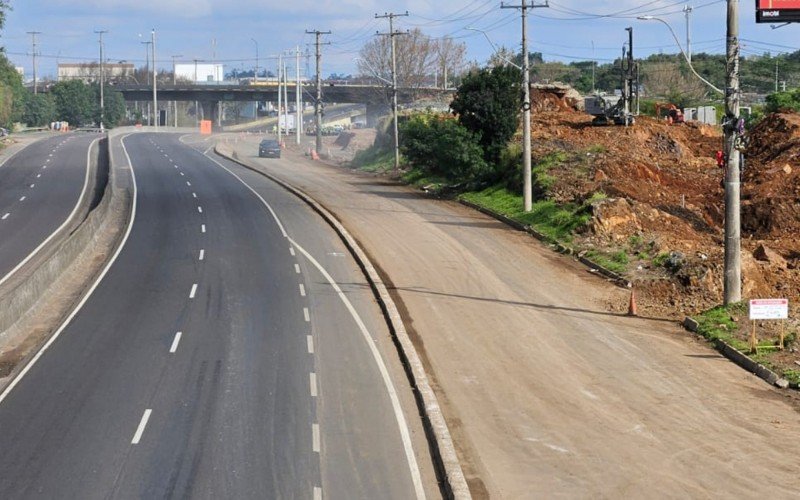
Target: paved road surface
[[39, 188], [270, 390], [547, 394]]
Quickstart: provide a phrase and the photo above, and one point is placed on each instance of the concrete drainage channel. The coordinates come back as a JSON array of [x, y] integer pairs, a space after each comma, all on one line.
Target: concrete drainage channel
[[454, 484], [40, 295]]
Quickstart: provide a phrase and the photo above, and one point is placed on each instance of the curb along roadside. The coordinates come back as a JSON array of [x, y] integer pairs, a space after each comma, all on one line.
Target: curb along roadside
[[740, 358], [616, 278], [88, 240], [455, 485]]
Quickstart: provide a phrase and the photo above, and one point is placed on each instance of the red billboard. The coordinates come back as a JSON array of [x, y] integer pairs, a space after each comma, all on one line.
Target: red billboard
[[777, 11]]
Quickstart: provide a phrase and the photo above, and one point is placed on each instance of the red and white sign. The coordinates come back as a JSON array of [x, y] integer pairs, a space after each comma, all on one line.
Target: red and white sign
[[769, 309], [779, 4]]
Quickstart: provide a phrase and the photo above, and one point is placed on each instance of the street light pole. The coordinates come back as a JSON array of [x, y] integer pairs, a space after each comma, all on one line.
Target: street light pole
[[102, 78], [687, 9], [155, 83]]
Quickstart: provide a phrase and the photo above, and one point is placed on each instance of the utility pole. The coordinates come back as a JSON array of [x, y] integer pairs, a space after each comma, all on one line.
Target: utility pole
[[286, 97], [174, 83], [298, 90], [280, 96], [155, 84], [527, 193], [733, 242], [594, 65], [102, 77], [391, 34], [146, 73], [255, 76], [687, 9], [318, 101], [776, 74], [35, 74]]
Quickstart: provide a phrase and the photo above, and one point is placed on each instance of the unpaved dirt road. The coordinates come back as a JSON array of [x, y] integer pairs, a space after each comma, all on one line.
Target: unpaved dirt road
[[546, 393]]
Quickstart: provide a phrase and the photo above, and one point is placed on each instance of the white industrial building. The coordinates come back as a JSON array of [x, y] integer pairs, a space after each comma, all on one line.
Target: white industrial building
[[90, 72]]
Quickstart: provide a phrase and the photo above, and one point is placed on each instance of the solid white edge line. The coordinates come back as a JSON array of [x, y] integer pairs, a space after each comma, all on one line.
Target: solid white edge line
[[142, 424], [63, 224], [405, 434], [174, 347], [80, 305], [310, 342], [193, 292], [315, 441], [312, 380]]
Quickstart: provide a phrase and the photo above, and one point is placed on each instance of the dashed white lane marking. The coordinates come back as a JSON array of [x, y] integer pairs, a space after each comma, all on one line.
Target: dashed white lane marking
[[38, 175], [6, 216], [48, 160], [291, 251], [142, 424], [405, 433], [175, 343], [315, 437], [33, 186], [202, 228], [44, 166], [310, 342], [202, 254], [182, 174], [22, 199], [302, 290], [193, 292], [188, 183], [194, 195], [297, 268], [306, 315], [176, 166], [317, 493], [313, 383], [200, 209]]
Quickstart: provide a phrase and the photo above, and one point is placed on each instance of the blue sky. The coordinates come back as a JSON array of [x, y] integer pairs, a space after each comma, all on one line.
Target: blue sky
[[566, 31]]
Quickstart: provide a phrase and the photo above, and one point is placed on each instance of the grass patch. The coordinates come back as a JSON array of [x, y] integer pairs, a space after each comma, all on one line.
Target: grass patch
[[373, 159], [793, 376], [661, 259], [616, 262], [420, 178], [718, 324], [557, 222]]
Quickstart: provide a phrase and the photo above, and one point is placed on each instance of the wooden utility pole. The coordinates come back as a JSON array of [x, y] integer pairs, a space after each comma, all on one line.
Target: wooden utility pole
[[731, 127], [318, 100], [391, 34]]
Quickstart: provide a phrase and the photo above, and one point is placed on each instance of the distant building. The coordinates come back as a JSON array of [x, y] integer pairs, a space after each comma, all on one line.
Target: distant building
[[90, 72], [200, 72], [20, 70]]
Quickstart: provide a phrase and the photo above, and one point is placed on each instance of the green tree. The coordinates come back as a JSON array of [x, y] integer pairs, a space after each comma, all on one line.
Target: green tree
[[75, 102], [440, 145], [40, 110], [488, 104], [113, 104]]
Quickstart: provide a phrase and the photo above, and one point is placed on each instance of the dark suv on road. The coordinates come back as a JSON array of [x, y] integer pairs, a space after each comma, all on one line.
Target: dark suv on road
[[269, 148]]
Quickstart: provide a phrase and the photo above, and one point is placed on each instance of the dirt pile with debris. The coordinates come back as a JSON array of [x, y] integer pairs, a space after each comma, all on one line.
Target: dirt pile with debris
[[658, 203]]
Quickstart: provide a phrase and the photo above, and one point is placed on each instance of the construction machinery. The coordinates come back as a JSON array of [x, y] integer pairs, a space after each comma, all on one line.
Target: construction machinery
[[667, 110], [618, 110]]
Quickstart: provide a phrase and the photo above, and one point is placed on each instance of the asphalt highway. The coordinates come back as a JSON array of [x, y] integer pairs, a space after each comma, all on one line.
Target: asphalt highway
[[39, 188], [231, 351]]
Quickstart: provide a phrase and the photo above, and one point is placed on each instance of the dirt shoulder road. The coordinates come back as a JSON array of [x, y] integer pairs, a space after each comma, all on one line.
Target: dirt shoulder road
[[546, 393]]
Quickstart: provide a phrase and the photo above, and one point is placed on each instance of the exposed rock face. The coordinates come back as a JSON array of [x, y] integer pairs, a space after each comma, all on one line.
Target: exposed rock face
[[765, 254], [614, 216]]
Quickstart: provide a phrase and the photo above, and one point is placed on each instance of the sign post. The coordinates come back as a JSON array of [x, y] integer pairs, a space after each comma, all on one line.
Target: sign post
[[767, 309]]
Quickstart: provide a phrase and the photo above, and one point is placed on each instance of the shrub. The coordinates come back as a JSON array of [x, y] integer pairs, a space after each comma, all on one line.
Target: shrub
[[442, 146]]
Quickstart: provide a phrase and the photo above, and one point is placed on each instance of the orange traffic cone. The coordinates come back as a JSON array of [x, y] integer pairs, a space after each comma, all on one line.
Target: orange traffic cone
[[632, 305], [314, 155]]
